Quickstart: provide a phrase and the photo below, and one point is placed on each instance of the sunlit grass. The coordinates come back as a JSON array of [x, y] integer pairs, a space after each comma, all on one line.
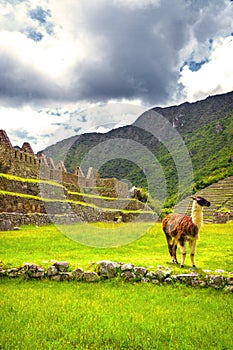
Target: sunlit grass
[[111, 314], [146, 245], [48, 315]]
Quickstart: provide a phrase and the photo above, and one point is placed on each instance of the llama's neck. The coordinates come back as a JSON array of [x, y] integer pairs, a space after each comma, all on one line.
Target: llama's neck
[[197, 215]]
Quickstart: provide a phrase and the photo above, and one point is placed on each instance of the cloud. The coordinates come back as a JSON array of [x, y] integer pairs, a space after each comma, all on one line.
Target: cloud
[[71, 67], [24, 135], [95, 118], [214, 77], [99, 50], [47, 126], [136, 52], [26, 124]]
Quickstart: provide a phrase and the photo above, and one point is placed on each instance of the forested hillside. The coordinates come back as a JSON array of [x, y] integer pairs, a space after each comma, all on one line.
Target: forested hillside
[[206, 127]]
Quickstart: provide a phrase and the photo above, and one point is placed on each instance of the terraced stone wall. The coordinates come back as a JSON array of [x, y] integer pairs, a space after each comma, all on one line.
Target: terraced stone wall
[[34, 190], [220, 195]]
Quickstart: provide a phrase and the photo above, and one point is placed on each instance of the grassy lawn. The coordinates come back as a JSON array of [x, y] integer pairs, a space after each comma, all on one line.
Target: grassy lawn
[[109, 315], [40, 245], [112, 314]]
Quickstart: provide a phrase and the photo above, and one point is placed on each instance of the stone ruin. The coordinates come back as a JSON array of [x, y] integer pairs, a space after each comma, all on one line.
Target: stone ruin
[[23, 162], [89, 197]]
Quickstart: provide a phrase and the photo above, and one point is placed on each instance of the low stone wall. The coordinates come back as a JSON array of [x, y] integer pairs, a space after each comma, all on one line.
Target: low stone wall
[[106, 269], [17, 204], [222, 218], [17, 219], [8, 221]]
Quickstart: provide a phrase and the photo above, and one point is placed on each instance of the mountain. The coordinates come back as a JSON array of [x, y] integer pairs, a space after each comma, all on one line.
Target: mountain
[[151, 153]]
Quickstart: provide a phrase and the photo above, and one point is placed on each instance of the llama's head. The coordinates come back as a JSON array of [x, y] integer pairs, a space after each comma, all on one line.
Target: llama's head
[[201, 201]]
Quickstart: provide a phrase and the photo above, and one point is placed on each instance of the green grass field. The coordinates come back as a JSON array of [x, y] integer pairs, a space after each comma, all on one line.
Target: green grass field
[[112, 314]]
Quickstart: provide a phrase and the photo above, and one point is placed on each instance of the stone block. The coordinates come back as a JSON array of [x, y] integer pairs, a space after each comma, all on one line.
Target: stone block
[[62, 266], [52, 271], [215, 281], [128, 276], [78, 273], [140, 271], [107, 269], [6, 225], [127, 267], [90, 277]]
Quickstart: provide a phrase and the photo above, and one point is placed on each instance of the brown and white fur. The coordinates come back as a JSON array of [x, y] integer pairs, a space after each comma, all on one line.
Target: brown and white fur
[[180, 228]]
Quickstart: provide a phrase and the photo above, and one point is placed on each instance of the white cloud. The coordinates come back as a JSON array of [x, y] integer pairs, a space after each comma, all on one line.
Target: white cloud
[[25, 124], [96, 118], [47, 126], [138, 3], [215, 76]]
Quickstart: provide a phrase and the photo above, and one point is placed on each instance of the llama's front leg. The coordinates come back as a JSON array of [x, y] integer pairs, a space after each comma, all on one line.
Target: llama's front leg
[[192, 252], [183, 252]]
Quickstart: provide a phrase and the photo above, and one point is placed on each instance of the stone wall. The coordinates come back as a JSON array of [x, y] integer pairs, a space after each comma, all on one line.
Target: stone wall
[[222, 218], [17, 219], [22, 211], [16, 162], [106, 269]]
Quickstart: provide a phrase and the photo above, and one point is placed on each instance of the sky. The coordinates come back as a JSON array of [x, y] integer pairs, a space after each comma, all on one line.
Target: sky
[[74, 66]]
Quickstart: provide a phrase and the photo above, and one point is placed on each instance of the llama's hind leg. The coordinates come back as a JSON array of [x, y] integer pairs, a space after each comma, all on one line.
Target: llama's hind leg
[[172, 246], [192, 252], [183, 251]]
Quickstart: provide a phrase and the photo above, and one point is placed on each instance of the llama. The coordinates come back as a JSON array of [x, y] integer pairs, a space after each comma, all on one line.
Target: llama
[[180, 228]]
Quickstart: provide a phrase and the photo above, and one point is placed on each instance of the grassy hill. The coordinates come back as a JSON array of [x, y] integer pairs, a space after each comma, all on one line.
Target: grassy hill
[[205, 126]]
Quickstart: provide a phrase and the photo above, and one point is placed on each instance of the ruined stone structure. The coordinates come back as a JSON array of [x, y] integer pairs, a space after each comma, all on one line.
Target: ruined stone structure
[[33, 190], [24, 163]]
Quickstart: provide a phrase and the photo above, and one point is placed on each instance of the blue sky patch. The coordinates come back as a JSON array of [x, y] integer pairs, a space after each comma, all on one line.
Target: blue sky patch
[[193, 65], [34, 35], [40, 14]]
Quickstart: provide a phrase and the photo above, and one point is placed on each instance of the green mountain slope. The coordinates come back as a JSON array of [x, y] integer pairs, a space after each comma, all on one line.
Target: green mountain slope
[[205, 126]]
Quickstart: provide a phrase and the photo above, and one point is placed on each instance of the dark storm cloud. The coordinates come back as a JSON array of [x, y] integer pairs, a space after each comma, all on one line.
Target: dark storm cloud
[[140, 48], [20, 83], [139, 54], [134, 52]]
